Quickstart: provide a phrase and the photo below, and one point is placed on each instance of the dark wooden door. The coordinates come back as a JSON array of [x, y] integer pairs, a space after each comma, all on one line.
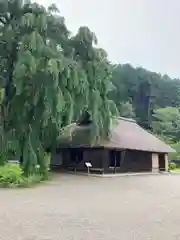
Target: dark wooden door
[[162, 166], [115, 160]]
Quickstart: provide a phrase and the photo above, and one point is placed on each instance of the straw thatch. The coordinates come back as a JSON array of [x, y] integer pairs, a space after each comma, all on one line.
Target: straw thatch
[[125, 134]]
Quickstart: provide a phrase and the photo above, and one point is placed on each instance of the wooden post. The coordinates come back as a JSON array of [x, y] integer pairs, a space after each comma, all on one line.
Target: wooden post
[[75, 161], [123, 152], [155, 162], [114, 155], [123, 156], [102, 164], [166, 163]]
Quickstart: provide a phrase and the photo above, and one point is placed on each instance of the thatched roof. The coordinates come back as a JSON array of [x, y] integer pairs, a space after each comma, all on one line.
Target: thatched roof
[[125, 134]]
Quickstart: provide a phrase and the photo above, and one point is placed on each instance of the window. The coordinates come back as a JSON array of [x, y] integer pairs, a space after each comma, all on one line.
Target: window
[[115, 159], [112, 159], [118, 159], [76, 155]]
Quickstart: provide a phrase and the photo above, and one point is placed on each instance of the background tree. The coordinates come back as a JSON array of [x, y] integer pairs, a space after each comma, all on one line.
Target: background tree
[[167, 122], [147, 91], [126, 110]]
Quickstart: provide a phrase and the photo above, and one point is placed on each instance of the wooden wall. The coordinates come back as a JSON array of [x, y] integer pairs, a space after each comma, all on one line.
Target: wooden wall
[[134, 161]]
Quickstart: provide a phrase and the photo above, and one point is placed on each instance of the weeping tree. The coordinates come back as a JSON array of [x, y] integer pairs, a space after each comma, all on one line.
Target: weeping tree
[[49, 79], [98, 71]]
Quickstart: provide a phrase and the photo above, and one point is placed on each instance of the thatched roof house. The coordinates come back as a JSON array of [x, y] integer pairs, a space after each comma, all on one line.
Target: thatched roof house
[[125, 134], [129, 148]]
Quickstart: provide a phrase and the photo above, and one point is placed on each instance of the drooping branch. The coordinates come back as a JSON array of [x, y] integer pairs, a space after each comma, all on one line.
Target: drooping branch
[[2, 20], [9, 89]]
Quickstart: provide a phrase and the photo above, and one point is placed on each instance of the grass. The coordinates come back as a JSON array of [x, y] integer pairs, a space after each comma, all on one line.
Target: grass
[[176, 170]]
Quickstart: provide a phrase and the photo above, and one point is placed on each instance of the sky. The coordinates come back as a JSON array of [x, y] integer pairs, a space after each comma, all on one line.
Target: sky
[[140, 32]]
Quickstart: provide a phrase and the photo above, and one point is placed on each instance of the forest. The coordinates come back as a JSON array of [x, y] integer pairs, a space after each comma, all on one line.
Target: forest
[[51, 78], [151, 98]]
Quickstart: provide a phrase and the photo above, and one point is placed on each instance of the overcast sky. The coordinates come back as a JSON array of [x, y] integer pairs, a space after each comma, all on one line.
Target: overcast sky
[[141, 32]]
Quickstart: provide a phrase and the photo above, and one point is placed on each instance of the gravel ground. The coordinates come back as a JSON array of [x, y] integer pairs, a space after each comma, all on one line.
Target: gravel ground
[[84, 208]]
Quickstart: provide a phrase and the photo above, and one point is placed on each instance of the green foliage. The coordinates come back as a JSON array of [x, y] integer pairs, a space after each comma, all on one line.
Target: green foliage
[[44, 164], [147, 91], [152, 99], [98, 75], [167, 122], [49, 80], [176, 155], [10, 175], [31, 180], [3, 159], [172, 166], [132, 85], [126, 110]]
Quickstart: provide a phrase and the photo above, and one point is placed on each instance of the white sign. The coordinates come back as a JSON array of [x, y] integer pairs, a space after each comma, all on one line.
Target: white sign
[[88, 164], [14, 162]]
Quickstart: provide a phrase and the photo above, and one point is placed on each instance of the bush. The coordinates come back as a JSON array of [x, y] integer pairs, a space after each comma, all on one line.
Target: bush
[[172, 166], [10, 175]]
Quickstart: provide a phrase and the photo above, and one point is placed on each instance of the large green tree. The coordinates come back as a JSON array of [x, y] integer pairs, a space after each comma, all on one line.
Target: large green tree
[[32, 62], [166, 122], [50, 79]]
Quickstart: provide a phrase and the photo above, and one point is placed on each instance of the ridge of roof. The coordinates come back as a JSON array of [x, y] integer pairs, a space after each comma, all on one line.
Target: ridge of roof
[[126, 119]]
